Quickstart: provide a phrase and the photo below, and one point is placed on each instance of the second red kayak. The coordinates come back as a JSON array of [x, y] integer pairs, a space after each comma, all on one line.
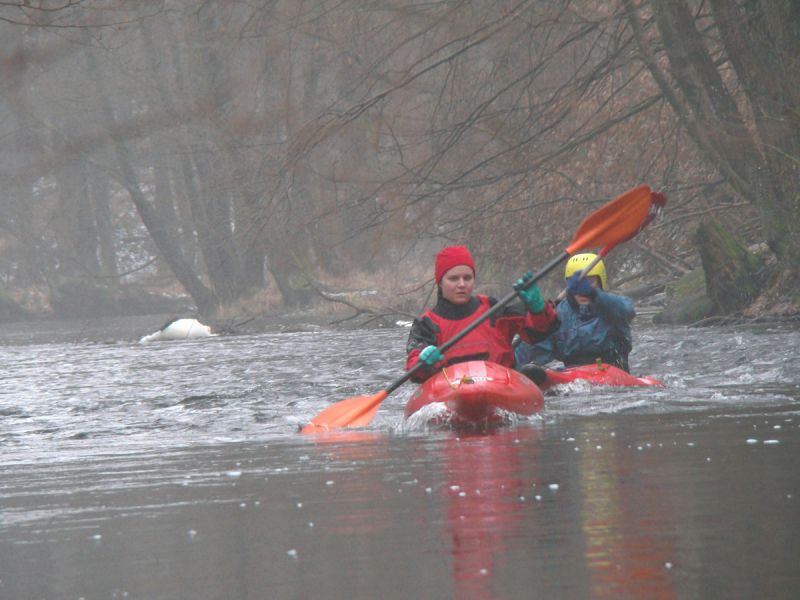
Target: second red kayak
[[597, 374], [477, 392]]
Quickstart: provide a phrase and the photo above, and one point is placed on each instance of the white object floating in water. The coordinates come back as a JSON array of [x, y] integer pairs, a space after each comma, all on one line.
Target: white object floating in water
[[180, 329]]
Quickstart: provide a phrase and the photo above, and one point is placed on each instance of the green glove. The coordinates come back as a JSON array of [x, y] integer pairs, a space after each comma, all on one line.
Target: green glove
[[530, 293], [430, 355]]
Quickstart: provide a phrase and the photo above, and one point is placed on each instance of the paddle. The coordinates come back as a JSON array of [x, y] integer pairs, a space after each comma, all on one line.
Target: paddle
[[657, 203], [612, 223]]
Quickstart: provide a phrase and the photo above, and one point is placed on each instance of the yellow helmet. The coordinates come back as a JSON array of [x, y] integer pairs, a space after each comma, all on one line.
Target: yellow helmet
[[581, 261]]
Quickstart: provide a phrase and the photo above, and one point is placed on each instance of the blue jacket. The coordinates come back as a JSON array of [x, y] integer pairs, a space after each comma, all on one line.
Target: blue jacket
[[600, 329]]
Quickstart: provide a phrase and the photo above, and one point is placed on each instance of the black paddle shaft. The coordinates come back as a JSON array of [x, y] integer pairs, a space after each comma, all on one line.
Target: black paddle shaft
[[489, 313]]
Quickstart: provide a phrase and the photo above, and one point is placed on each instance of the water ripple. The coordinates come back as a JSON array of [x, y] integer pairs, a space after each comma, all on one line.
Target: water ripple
[[87, 398]]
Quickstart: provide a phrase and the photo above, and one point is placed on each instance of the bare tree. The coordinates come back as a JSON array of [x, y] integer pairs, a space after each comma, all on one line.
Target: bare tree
[[728, 79], [279, 141]]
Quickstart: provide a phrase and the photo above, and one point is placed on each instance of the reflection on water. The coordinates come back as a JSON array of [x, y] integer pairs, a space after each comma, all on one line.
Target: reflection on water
[[626, 554], [485, 494], [174, 470]]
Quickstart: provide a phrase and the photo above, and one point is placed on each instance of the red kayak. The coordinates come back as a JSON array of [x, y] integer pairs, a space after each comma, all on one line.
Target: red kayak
[[598, 374], [477, 393]]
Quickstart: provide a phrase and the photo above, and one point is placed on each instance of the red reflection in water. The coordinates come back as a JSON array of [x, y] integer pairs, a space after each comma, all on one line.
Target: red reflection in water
[[485, 482], [627, 514]]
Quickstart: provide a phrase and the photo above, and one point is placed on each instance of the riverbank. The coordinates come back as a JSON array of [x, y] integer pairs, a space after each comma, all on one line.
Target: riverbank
[[133, 328], [369, 313]]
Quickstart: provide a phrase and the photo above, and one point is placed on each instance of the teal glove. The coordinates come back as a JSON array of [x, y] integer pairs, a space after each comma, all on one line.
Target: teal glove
[[530, 293], [430, 355]]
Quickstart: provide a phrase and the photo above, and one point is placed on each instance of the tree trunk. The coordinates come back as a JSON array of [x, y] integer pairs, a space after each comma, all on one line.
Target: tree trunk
[[764, 54], [74, 226], [211, 212], [28, 250], [759, 161], [99, 194], [733, 274], [206, 301]]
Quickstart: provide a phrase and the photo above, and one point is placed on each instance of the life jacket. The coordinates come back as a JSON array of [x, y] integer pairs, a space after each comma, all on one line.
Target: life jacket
[[600, 330], [488, 341]]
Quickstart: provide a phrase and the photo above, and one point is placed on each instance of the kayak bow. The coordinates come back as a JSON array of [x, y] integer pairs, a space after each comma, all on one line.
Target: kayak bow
[[477, 393], [597, 374]]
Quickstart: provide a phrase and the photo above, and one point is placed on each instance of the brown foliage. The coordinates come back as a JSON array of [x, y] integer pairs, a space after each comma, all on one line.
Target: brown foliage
[[342, 137]]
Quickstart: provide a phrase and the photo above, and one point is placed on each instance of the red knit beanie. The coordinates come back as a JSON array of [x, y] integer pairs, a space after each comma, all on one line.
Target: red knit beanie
[[450, 257]]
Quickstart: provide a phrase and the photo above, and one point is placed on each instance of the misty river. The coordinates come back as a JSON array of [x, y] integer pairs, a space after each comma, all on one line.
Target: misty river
[[174, 470]]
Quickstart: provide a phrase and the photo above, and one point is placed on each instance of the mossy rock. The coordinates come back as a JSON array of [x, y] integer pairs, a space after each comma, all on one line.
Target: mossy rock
[[733, 274], [687, 301]]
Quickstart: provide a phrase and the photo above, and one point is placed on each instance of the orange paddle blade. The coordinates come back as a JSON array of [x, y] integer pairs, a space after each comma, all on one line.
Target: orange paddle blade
[[352, 412], [618, 220]]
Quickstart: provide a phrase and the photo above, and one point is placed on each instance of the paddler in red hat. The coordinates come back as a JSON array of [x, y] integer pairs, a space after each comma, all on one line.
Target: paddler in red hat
[[457, 307]]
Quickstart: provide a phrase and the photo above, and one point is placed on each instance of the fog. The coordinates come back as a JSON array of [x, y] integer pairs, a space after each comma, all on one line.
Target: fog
[[224, 151]]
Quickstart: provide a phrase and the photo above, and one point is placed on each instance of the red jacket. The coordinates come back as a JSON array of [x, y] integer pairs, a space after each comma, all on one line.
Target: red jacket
[[491, 340]]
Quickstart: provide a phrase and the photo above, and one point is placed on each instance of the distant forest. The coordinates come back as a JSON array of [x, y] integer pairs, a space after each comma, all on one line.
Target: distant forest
[[230, 149]]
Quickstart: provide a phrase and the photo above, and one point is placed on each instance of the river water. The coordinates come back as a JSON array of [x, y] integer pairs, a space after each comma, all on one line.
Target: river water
[[174, 470]]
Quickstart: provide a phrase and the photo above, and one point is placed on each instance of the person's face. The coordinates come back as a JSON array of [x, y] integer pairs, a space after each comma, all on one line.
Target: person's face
[[457, 284], [595, 281]]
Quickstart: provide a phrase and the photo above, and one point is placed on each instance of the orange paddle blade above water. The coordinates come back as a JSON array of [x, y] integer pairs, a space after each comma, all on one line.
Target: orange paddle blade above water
[[352, 412], [618, 220]]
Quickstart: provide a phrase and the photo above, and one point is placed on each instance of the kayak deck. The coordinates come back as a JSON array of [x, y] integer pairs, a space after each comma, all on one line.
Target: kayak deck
[[477, 392], [597, 374]]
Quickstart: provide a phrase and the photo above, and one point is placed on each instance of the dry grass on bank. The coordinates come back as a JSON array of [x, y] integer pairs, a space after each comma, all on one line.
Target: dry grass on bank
[[363, 297], [379, 296]]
